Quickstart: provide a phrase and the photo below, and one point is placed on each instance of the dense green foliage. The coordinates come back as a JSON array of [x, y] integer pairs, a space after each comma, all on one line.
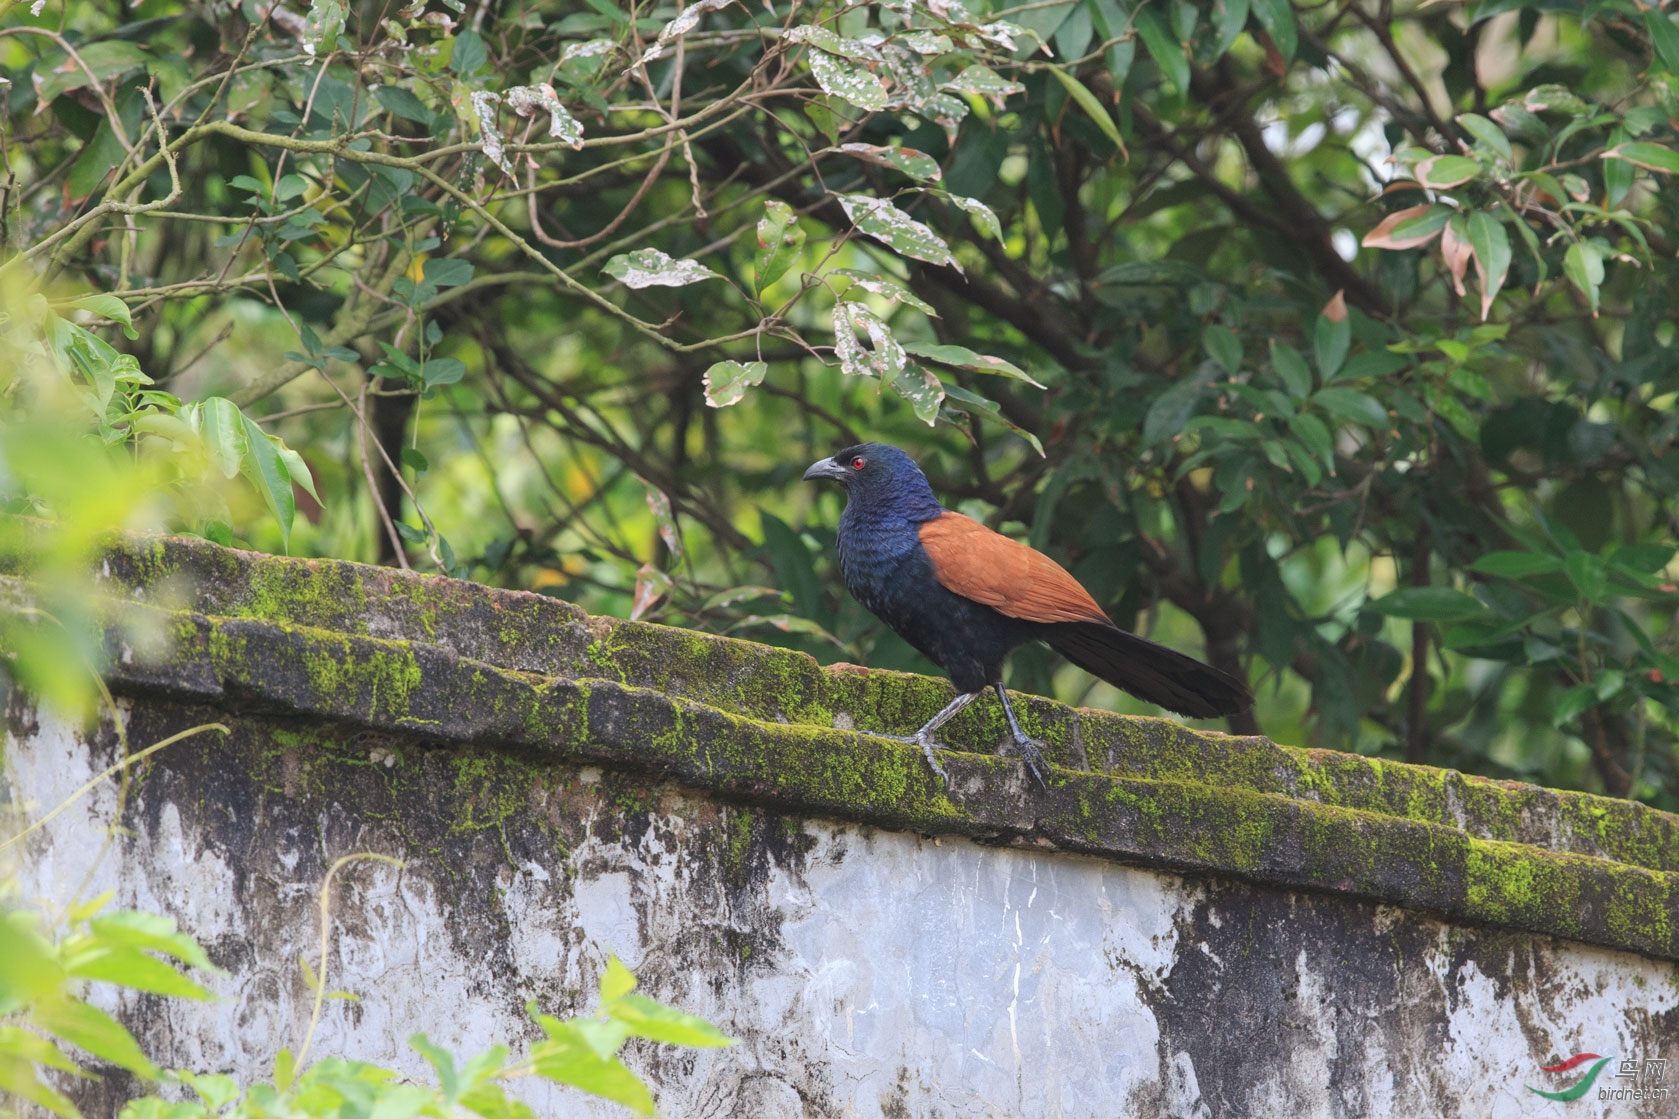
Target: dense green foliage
[[1346, 331]]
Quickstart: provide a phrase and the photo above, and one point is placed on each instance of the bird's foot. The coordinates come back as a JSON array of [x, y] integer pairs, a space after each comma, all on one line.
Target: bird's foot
[[1032, 751], [925, 741]]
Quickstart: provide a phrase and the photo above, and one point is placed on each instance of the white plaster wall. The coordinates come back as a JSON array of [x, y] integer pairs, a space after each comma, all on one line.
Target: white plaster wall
[[911, 976]]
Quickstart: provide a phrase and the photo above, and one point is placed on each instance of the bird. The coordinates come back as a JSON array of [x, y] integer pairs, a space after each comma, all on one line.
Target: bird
[[965, 596]]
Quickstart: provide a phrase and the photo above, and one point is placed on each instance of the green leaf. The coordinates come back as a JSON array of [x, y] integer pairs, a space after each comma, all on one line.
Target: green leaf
[[1651, 157], [974, 404], [1314, 434], [1429, 604], [1588, 574], [1231, 19], [616, 981], [1171, 409], [129, 967], [1291, 369], [58, 74], [568, 1058], [150, 931], [221, 425], [297, 468], [1330, 341], [95, 1032], [657, 1022], [779, 242], [1583, 265], [1409, 228], [265, 470], [401, 102], [1572, 703], [726, 382], [447, 272], [1516, 565], [1223, 346], [1277, 17], [1491, 246], [1086, 100], [1352, 405], [470, 54], [1167, 52], [960, 357], [441, 1061], [1664, 38], [1440, 172], [285, 1069], [1643, 559], [442, 371], [110, 307], [1487, 133]]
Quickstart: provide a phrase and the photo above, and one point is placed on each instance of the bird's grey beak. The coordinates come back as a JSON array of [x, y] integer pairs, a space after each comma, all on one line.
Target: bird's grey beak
[[825, 468]]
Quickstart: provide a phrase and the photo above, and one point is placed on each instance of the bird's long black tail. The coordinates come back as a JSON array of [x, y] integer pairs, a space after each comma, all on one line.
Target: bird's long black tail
[[1148, 671]]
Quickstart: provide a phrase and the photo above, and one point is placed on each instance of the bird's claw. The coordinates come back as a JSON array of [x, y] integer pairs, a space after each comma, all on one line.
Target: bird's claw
[[927, 747], [1031, 750]]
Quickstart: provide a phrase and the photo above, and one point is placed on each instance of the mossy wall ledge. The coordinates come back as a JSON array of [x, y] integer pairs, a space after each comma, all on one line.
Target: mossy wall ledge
[[457, 663]]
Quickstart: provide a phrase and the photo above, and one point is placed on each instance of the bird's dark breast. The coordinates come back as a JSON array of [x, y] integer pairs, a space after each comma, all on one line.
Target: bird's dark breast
[[888, 572]]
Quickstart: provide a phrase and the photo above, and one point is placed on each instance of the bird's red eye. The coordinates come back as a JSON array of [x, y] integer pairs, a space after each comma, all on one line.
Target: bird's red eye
[[859, 462]]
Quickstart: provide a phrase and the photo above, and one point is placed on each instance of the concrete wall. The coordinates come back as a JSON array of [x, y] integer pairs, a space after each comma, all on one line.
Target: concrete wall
[[1182, 925]]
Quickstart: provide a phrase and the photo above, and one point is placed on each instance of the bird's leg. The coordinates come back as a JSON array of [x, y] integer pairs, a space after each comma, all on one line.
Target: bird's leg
[[924, 737], [1030, 748]]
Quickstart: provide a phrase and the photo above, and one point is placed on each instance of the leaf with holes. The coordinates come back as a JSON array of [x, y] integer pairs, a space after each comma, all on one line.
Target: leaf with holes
[[885, 356], [923, 391], [982, 214], [885, 222], [727, 381], [984, 82], [528, 99], [960, 357], [889, 290], [647, 268], [838, 77], [916, 164]]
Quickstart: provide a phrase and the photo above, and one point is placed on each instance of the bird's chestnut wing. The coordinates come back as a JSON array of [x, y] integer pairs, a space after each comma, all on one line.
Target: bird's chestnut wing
[[1006, 575]]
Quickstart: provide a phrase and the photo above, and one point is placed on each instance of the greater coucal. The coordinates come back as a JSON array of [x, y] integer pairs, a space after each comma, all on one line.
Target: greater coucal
[[965, 596]]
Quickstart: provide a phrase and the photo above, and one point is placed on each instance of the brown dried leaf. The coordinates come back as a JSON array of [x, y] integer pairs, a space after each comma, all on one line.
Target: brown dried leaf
[[1454, 247]]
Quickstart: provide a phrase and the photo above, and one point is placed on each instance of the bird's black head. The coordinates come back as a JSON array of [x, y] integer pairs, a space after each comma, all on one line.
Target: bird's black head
[[875, 473]]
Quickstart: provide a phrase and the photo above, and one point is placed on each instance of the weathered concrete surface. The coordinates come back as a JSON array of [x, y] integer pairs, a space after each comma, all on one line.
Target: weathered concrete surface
[[1204, 926]]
